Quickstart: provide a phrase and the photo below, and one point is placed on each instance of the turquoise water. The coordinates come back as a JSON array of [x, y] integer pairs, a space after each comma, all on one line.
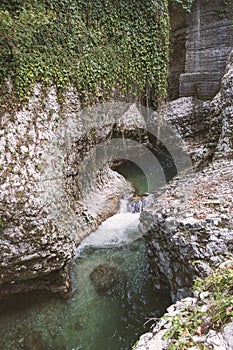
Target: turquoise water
[[135, 175], [90, 319], [157, 175]]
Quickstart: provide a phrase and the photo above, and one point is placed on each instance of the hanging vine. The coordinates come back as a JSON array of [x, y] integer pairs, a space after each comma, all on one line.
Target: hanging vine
[[104, 48]]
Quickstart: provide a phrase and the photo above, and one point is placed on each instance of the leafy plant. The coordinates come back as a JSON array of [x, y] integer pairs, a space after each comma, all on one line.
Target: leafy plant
[[104, 48], [226, 11], [186, 4], [196, 320]]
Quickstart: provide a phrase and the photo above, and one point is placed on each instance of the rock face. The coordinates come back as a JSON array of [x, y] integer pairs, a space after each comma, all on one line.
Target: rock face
[[205, 126], [201, 43], [218, 140], [189, 228], [212, 339], [209, 42], [53, 191], [225, 141], [190, 117], [177, 51]]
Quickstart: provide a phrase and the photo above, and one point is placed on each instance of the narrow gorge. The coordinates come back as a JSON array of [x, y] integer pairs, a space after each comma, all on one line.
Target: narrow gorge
[[115, 176]]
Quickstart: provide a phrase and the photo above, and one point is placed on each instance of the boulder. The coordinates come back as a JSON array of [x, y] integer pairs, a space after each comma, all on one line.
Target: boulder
[[108, 280]]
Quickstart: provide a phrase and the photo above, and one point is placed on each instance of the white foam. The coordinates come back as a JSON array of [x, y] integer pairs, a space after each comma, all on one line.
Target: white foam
[[123, 206], [119, 229]]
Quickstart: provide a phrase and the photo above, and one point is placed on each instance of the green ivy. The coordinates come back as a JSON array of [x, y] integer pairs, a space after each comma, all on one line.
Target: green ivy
[[104, 48], [227, 10], [213, 312], [186, 4]]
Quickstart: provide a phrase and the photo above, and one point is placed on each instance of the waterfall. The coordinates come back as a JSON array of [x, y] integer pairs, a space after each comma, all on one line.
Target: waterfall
[[112, 293], [136, 206], [119, 229], [124, 206]]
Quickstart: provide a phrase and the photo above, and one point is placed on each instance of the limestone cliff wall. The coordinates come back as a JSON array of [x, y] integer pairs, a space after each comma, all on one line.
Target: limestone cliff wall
[[47, 207], [200, 45], [205, 126], [188, 227], [192, 220]]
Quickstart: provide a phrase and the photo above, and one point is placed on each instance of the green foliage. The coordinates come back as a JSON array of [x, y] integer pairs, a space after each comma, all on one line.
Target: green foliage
[[104, 48], [198, 320], [220, 285], [135, 345], [186, 4], [226, 11]]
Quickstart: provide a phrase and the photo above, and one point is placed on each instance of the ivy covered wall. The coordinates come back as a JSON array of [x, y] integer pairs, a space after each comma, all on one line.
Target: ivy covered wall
[[105, 48]]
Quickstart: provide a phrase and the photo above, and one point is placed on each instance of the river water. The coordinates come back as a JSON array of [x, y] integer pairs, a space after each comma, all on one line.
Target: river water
[[112, 297]]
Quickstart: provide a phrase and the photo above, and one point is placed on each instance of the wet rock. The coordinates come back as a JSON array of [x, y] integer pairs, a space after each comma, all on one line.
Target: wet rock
[[78, 326], [34, 341], [137, 204], [108, 280], [48, 203]]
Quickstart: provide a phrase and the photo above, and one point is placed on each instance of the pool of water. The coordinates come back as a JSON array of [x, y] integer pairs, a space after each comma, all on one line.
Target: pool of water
[[135, 175], [103, 313], [154, 177]]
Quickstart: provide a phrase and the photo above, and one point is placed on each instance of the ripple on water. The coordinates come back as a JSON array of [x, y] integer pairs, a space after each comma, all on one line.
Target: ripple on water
[[89, 320]]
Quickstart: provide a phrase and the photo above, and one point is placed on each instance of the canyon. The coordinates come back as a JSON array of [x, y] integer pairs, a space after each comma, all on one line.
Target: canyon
[[58, 184]]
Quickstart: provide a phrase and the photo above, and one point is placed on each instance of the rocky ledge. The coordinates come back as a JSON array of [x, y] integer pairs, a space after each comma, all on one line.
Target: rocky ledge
[[216, 340], [189, 227], [204, 321]]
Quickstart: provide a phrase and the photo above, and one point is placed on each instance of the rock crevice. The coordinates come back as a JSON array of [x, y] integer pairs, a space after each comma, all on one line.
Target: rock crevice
[[53, 190], [200, 45]]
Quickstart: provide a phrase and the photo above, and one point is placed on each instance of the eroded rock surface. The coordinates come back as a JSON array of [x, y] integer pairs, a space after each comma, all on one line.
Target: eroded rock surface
[[53, 191], [189, 228], [211, 339], [208, 45]]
